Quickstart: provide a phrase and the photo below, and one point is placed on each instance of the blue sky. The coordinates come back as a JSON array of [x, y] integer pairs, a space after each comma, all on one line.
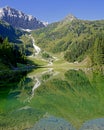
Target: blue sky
[[55, 10]]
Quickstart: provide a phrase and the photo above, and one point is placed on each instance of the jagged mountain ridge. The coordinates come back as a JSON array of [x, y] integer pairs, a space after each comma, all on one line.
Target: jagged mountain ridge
[[19, 19]]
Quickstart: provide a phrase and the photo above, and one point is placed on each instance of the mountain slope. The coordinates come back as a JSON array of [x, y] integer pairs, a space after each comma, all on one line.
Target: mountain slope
[[74, 37], [17, 37], [7, 30], [19, 20]]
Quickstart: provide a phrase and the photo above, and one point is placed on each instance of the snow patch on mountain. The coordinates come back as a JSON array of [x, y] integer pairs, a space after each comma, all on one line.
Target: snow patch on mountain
[[19, 19]]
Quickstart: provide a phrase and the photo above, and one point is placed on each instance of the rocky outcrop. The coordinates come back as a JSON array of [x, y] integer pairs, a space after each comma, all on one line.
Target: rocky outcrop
[[20, 20], [96, 124], [52, 123]]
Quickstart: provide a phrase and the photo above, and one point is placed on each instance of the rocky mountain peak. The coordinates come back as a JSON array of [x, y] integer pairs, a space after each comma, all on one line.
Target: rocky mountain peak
[[19, 19], [7, 7], [70, 17], [67, 19]]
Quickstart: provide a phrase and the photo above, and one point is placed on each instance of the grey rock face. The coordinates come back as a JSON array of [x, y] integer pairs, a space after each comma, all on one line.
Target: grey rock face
[[97, 124], [19, 20], [70, 17], [52, 123]]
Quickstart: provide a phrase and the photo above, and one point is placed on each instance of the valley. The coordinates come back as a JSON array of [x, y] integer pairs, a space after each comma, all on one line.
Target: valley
[[51, 78], [57, 89]]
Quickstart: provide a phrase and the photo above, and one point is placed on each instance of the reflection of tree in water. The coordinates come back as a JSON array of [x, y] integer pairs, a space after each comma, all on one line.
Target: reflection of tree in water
[[23, 89], [78, 80], [74, 96]]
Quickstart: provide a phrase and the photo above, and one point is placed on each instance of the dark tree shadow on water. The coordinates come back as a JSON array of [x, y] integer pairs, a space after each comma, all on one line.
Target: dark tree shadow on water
[[9, 80]]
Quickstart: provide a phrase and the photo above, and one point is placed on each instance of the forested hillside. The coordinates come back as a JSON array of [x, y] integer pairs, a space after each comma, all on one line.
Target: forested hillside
[[76, 38], [6, 30], [10, 54]]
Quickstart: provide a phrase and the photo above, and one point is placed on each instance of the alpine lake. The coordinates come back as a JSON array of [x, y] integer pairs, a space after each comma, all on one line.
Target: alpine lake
[[62, 95]]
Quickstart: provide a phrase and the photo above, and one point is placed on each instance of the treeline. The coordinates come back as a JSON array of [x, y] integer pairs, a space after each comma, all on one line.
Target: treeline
[[97, 55], [94, 47], [10, 54], [78, 50]]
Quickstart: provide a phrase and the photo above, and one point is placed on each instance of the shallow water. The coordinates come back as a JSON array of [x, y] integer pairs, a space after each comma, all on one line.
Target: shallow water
[[76, 97]]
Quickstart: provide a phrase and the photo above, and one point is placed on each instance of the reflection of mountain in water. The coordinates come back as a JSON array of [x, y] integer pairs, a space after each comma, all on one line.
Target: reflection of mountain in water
[[27, 85], [78, 81], [71, 96]]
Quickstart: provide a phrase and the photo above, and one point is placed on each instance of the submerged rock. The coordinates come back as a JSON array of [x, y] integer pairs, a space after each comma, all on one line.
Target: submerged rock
[[52, 123], [97, 124]]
